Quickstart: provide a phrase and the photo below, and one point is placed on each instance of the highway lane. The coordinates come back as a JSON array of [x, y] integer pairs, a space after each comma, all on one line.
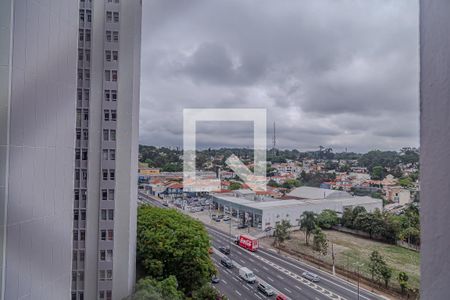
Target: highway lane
[[281, 272], [293, 267], [291, 287]]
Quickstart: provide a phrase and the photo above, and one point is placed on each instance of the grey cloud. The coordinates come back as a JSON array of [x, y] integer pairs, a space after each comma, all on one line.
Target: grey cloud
[[343, 74]]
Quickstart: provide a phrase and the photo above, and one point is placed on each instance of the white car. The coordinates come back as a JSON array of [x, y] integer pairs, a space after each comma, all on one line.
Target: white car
[[311, 276]]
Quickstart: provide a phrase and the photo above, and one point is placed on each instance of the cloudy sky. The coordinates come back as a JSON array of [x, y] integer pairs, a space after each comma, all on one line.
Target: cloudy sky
[[342, 74]]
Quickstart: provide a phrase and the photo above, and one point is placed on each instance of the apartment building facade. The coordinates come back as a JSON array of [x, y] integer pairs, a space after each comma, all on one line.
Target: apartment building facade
[[107, 116], [38, 42]]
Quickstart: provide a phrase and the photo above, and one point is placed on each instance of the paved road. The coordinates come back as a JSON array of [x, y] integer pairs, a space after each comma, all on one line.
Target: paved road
[[283, 273]]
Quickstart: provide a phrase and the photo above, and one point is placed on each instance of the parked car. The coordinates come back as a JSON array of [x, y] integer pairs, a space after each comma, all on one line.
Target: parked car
[[217, 220], [241, 226], [311, 276], [227, 218], [228, 263], [215, 279], [281, 297], [224, 250], [265, 289]]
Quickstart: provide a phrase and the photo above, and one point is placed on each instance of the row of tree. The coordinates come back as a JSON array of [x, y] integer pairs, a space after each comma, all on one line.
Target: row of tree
[[312, 224], [387, 226], [173, 255]]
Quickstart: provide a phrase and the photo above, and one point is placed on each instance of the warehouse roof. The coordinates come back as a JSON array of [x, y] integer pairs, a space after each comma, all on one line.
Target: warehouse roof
[[306, 192]]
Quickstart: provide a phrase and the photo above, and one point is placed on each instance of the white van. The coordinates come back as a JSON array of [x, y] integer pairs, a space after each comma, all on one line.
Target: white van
[[247, 275]]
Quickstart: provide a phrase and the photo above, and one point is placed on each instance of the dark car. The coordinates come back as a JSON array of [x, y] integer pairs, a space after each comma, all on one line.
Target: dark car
[[265, 289], [225, 261], [224, 250], [241, 226], [215, 279], [217, 220]]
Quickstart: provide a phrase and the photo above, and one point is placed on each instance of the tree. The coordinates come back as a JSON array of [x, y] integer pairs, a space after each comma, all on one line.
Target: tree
[[347, 218], [379, 269], [152, 289], [171, 243], [235, 185], [405, 182], [320, 243], [327, 219], [207, 292], [403, 281], [281, 232], [376, 260], [372, 223], [308, 224], [385, 273], [377, 173]]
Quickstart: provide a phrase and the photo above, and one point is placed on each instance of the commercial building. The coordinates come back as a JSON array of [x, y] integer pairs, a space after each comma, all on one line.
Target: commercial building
[[107, 116], [38, 44], [268, 213]]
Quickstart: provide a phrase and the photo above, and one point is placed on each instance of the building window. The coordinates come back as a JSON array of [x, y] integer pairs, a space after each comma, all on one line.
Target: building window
[[102, 255], [111, 194], [109, 275], [79, 94], [114, 95], [86, 94], [77, 195], [85, 134], [83, 215], [102, 275], [108, 295], [110, 214], [107, 55], [105, 135], [114, 75], [115, 55], [88, 35], [87, 54], [75, 235], [80, 74], [109, 16], [77, 174], [108, 36], [116, 17], [106, 115], [105, 154], [103, 214], [113, 115], [81, 15], [112, 154], [105, 174], [75, 215], [112, 134], [110, 234], [81, 35], [107, 75], [86, 114], [80, 54], [107, 95], [84, 155], [112, 174], [77, 154], [83, 195], [82, 235], [84, 174], [109, 255], [88, 16], [115, 36], [78, 134], [87, 74], [104, 195], [103, 235]]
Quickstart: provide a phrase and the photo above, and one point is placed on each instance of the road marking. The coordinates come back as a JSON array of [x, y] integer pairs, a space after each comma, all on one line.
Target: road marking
[[247, 287], [270, 279], [280, 277], [235, 279], [298, 287], [238, 293], [265, 268], [258, 296], [251, 259], [242, 261], [256, 269], [223, 280], [288, 290]]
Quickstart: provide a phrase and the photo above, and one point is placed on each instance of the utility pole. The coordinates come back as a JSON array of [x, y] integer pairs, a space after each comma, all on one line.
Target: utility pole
[[274, 141], [332, 256]]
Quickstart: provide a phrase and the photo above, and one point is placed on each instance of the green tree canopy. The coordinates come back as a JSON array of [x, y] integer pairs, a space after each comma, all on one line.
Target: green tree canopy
[[151, 289], [327, 219], [308, 223], [281, 232], [171, 243], [320, 243]]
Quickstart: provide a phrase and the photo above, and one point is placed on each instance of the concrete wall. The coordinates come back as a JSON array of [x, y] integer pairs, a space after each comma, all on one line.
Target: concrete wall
[[434, 148], [37, 117]]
